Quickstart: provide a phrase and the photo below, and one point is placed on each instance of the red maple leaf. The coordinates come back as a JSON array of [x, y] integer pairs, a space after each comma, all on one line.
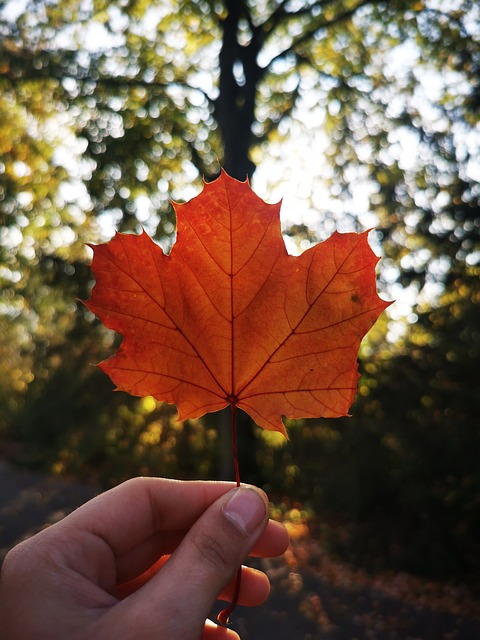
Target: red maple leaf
[[229, 318]]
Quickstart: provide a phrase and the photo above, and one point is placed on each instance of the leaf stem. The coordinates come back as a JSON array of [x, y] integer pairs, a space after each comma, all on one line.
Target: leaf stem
[[233, 410], [223, 617]]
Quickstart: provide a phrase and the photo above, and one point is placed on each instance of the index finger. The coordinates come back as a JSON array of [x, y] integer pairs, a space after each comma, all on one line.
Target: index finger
[[128, 515], [273, 541]]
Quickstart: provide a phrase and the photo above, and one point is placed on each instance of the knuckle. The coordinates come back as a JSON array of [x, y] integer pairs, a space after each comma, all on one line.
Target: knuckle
[[211, 550]]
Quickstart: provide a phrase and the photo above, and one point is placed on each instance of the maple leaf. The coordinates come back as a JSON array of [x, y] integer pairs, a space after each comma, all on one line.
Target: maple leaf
[[229, 318]]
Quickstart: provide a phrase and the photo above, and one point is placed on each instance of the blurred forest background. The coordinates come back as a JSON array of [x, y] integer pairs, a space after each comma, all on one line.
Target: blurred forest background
[[109, 108]]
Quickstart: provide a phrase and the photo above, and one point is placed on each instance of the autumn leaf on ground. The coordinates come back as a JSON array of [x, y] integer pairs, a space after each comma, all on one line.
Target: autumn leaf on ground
[[229, 318]]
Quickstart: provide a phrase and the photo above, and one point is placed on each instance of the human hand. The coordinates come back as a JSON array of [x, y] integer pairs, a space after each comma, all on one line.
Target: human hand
[[104, 571]]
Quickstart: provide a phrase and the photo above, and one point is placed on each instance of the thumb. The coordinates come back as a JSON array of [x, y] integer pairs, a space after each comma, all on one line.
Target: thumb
[[206, 560]]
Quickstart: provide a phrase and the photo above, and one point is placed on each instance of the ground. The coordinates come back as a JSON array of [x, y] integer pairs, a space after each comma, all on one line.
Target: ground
[[313, 595]]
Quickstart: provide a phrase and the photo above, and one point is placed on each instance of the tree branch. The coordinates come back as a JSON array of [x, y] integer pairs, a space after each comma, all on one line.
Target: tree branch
[[281, 13], [53, 71], [317, 26]]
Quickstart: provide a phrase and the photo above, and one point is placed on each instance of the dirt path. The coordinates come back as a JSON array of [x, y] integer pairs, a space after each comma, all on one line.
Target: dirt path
[[313, 597], [29, 501]]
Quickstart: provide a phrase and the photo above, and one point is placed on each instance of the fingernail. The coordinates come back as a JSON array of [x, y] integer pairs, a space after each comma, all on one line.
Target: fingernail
[[245, 509]]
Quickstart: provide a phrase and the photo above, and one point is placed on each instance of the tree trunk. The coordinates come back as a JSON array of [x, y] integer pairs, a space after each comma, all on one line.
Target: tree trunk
[[235, 105], [225, 459]]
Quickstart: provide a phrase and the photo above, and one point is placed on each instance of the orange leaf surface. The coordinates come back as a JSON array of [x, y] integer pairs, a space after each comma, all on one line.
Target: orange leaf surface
[[229, 318]]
